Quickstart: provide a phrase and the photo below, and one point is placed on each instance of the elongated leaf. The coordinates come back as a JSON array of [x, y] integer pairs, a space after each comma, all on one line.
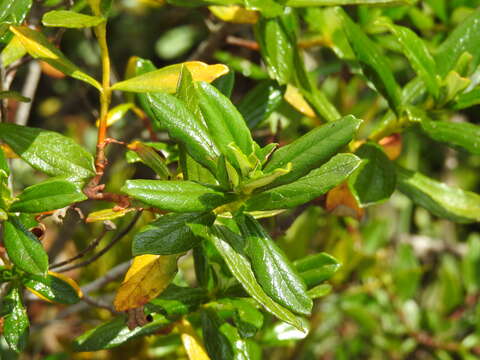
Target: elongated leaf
[[147, 277], [273, 271], [375, 180], [463, 39], [442, 200], [115, 332], [268, 8], [191, 341], [178, 196], [183, 126], [39, 47], [468, 99], [70, 19], [312, 149], [16, 324], [166, 79], [225, 123], [420, 58], [317, 268], [374, 64], [54, 287], [12, 52], [48, 195], [307, 3], [49, 152], [259, 103], [15, 95], [170, 234], [247, 318], [227, 244], [23, 248], [307, 188], [234, 14], [464, 135], [176, 300]]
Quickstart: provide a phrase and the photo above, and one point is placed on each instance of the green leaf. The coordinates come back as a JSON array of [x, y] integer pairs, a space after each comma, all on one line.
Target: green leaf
[[115, 332], [4, 168], [225, 83], [38, 46], [183, 126], [320, 291], [460, 134], [12, 52], [52, 288], [268, 8], [312, 149], [464, 38], [178, 196], [227, 244], [23, 248], [273, 271], [277, 46], [15, 95], [307, 188], [467, 99], [317, 268], [260, 102], [307, 3], [12, 13], [177, 300], [375, 180], [247, 318], [16, 324], [406, 272], [48, 195], [224, 341], [420, 58], [471, 264], [149, 156], [169, 234], [48, 151], [70, 19], [374, 63], [224, 122], [440, 199]]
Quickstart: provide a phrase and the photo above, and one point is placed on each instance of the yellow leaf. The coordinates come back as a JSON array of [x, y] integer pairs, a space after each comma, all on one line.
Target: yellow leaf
[[166, 79], [9, 153], [38, 46], [341, 202], [191, 342], [234, 14], [148, 276], [13, 51], [107, 214], [295, 98]]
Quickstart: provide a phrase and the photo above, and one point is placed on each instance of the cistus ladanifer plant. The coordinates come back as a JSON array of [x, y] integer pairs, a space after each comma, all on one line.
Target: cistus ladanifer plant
[[272, 179]]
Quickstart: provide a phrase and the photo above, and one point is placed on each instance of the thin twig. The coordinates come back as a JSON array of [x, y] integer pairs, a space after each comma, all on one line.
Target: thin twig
[[116, 239], [82, 253], [100, 304], [207, 48], [112, 275]]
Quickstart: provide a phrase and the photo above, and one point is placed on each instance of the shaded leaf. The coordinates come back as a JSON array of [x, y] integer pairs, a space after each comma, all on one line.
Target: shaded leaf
[[54, 287]]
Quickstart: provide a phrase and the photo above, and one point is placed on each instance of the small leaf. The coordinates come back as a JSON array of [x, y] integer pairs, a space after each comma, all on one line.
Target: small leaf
[[317, 268], [177, 300], [117, 113], [48, 195], [191, 342], [54, 287], [268, 8], [305, 3], [147, 277], [107, 214], [375, 180], [170, 234], [178, 196], [39, 47], [341, 202], [115, 332], [440, 199], [312, 149], [234, 14], [16, 324], [307, 188], [23, 248], [70, 19], [295, 98], [166, 78], [151, 158], [49, 152], [273, 271], [13, 95], [227, 242]]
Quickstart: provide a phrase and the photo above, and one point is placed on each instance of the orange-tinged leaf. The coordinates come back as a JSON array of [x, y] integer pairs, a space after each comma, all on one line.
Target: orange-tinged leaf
[[9, 153], [341, 202], [108, 214], [392, 145], [234, 14], [166, 78], [38, 46], [148, 276], [191, 342], [49, 70], [295, 98]]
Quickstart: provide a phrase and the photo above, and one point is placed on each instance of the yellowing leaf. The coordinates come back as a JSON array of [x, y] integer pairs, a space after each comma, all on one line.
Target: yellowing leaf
[[234, 14], [340, 201], [295, 98], [9, 153], [117, 113], [392, 145], [107, 214], [65, 291], [13, 51], [191, 342], [166, 79], [148, 276], [38, 46]]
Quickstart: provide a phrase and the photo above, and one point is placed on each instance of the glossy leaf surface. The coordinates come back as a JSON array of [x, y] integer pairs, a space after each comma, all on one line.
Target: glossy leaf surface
[[54, 287]]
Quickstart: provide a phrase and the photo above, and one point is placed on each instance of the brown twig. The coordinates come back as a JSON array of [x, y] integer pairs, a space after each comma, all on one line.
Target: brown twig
[[115, 239], [245, 43], [100, 304]]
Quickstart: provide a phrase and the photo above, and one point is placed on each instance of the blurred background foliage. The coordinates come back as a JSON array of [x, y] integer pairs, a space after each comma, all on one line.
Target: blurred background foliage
[[409, 282]]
